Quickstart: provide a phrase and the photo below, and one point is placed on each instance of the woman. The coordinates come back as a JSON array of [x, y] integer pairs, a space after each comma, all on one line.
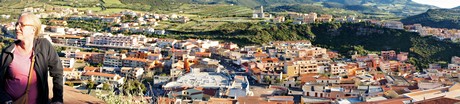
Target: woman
[[16, 62]]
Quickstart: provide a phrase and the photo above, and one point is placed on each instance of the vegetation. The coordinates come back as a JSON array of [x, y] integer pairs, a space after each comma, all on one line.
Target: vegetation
[[106, 86], [91, 25], [223, 11], [304, 8], [126, 97], [438, 18], [69, 84], [134, 87]]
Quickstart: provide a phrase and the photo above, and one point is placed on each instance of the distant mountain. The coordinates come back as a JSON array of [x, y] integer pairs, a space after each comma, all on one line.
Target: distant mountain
[[439, 18], [456, 7], [397, 7]]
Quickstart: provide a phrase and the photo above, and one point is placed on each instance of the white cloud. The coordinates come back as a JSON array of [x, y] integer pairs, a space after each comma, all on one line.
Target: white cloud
[[440, 3]]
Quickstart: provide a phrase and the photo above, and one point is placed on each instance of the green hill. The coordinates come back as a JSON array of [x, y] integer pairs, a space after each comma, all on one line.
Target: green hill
[[307, 8], [439, 18]]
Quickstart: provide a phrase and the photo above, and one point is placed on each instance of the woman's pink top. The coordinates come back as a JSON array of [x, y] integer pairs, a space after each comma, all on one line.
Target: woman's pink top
[[19, 71]]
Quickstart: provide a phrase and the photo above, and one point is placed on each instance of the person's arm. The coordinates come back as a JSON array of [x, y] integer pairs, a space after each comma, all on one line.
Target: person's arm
[[4, 97], [56, 70]]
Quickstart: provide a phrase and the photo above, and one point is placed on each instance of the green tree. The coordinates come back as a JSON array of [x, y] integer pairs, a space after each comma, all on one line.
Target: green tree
[[267, 79], [70, 84], [89, 86], [134, 87], [106, 86]]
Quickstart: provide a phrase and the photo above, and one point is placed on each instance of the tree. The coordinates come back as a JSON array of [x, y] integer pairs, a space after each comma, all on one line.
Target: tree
[[69, 84], [278, 81], [100, 65], [134, 87], [267, 79], [106, 86], [163, 74], [89, 85], [297, 83]]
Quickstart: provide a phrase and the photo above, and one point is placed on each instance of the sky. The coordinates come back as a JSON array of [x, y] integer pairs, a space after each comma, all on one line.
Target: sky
[[440, 3]]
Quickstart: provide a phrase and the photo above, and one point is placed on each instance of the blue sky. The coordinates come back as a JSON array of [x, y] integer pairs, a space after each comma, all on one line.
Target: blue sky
[[440, 3]]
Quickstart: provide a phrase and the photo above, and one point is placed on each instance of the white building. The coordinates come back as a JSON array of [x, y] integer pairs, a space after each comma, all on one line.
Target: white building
[[209, 43], [136, 72], [100, 39], [136, 62], [71, 73], [394, 25], [67, 62], [98, 77], [200, 79], [57, 29], [112, 58], [163, 43]]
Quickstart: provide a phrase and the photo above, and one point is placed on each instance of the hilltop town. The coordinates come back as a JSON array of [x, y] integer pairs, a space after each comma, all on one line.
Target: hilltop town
[[128, 56]]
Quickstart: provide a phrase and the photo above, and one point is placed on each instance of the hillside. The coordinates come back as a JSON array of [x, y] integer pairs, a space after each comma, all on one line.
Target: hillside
[[396, 7], [439, 18], [344, 38], [306, 8]]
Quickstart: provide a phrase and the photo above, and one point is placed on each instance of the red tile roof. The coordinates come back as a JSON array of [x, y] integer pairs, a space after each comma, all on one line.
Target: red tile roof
[[67, 36], [307, 78], [68, 69], [260, 54], [202, 53], [439, 100], [270, 59], [136, 59], [255, 70], [388, 101], [89, 68]]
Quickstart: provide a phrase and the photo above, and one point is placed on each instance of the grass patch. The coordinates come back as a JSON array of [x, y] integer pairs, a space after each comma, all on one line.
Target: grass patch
[[222, 11], [111, 2]]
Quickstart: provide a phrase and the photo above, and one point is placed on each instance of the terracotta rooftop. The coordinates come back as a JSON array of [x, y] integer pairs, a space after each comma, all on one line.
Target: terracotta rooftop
[[250, 100], [67, 36], [203, 53], [388, 101], [439, 100], [68, 69], [221, 101], [260, 54], [136, 59], [154, 55], [270, 59], [89, 68], [165, 100], [255, 70], [308, 78]]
